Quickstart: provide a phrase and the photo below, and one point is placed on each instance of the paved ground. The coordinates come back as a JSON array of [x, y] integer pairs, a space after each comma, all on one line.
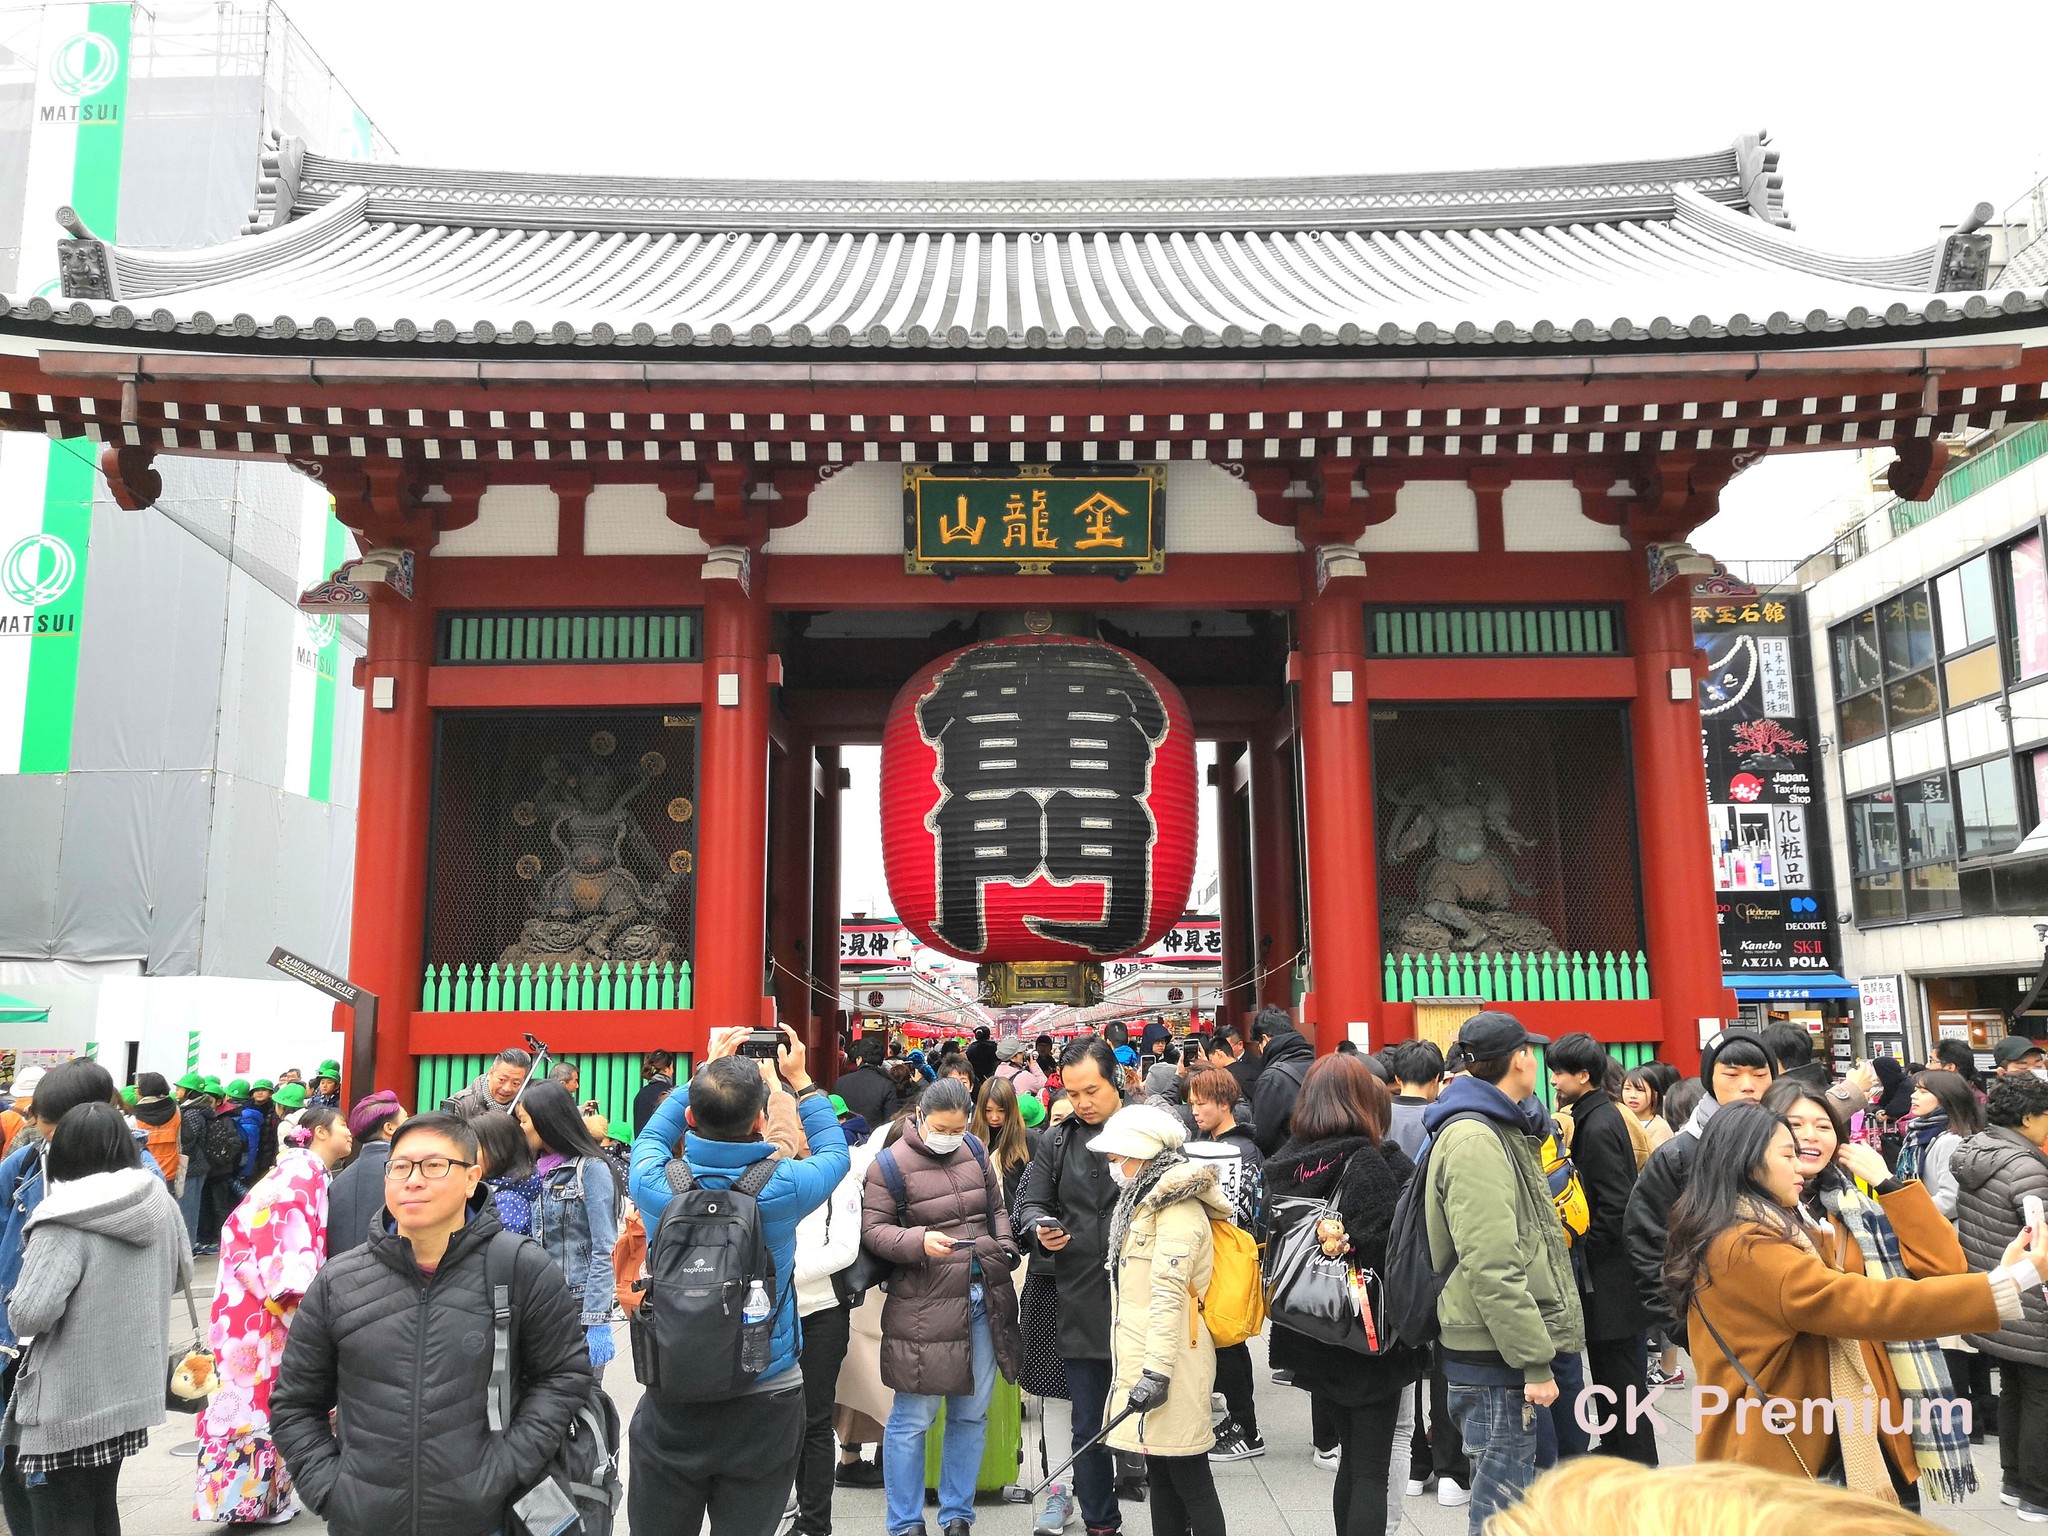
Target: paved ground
[[1279, 1494]]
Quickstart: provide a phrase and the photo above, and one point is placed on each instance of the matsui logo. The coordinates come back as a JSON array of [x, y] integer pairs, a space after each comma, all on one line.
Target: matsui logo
[[36, 571], [81, 67]]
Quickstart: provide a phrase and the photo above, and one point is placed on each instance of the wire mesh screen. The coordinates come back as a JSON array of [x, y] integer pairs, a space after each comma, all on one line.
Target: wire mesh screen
[[564, 840], [1509, 833]]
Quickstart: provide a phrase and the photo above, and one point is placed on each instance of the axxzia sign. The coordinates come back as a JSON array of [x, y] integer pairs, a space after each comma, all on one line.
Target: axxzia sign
[[82, 67]]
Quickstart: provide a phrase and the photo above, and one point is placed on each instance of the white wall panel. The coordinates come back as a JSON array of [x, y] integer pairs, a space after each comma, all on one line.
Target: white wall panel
[[634, 520], [512, 520], [1976, 732], [1866, 766], [858, 511], [1428, 515], [1919, 750], [1547, 514], [1209, 511]]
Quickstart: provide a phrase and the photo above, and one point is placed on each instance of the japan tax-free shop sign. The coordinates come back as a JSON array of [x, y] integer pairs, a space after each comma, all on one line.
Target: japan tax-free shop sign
[[76, 125], [1034, 520]]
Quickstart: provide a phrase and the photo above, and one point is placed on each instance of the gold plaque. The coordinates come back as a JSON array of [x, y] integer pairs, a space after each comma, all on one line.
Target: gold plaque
[[528, 865], [681, 861], [525, 814], [680, 809], [604, 743], [653, 764]]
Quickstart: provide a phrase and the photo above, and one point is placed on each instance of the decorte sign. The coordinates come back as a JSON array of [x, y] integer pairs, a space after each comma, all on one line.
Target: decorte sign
[[1033, 520]]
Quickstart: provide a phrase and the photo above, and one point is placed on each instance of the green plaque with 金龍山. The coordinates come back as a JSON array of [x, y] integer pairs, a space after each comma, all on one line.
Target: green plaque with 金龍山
[[1034, 520]]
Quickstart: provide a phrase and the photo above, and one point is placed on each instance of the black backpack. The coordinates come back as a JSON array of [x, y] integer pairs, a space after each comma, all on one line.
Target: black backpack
[[703, 1259], [1410, 1284], [225, 1148], [585, 1471]]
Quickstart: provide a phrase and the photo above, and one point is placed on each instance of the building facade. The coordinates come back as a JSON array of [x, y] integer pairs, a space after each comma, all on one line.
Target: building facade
[[637, 470]]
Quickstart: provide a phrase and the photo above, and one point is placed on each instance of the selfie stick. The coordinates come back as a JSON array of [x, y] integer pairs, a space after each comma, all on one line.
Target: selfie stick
[[540, 1054], [1053, 1476]]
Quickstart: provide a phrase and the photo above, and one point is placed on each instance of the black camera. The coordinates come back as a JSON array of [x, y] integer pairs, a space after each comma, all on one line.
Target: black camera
[[762, 1044]]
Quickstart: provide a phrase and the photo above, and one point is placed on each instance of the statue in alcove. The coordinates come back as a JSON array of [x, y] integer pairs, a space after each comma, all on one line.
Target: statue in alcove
[[1465, 888], [607, 896]]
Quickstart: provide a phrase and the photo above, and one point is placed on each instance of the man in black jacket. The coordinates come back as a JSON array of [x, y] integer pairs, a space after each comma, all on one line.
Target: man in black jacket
[[1064, 1205], [396, 1335], [1791, 1046], [1285, 1056], [1616, 1323], [868, 1090], [981, 1056]]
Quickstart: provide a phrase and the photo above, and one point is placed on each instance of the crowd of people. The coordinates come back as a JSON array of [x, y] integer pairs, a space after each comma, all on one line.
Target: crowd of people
[[413, 1314]]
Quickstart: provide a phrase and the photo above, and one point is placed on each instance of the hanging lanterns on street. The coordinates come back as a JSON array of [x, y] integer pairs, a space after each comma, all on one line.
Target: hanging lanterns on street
[[1039, 801]]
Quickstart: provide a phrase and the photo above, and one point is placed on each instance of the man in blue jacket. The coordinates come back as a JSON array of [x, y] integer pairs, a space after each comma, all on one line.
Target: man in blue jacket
[[735, 1459]]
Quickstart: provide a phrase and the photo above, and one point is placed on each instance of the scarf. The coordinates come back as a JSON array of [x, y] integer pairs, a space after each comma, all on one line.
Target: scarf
[[1920, 1134], [1940, 1446], [1127, 1202]]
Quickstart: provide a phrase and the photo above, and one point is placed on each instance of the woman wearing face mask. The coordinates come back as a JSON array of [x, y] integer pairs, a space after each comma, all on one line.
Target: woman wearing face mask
[[1866, 1220], [1779, 1308], [932, 1205]]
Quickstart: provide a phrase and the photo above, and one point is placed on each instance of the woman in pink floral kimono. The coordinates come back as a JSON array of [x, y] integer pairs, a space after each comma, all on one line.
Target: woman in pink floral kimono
[[269, 1250]]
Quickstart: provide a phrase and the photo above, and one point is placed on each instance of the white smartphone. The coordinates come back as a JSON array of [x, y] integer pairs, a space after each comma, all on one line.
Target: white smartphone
[[2031, 1206]]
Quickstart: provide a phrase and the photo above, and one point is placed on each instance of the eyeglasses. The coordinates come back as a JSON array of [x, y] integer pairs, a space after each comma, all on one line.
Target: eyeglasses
[[429, 1167]]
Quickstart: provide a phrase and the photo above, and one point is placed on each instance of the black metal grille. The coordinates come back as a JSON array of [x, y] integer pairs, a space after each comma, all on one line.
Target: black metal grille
[[1459, 790], [563, 837]]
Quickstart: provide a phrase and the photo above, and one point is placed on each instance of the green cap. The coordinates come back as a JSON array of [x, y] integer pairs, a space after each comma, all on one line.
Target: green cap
[[329, 1069], [839, 1106], [1031, 1110], [620, 1131], [192, 1082], [239, 1088], [292, 1095], [213, 1087], [129, 1095], [262, 1085]]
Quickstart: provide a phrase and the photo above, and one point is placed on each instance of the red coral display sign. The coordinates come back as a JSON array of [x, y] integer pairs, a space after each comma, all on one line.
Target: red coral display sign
[[1039, 801]]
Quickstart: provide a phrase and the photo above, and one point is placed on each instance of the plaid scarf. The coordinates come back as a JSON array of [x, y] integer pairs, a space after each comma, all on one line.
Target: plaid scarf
[[1940, 1446], [1918, 1134]]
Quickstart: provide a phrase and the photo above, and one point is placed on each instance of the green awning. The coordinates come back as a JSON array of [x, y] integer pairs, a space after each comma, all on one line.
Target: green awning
[[14, 1011]]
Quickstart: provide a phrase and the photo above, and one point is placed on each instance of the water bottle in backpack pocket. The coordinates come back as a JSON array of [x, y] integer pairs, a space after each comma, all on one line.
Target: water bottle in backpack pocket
[[705, 1331]]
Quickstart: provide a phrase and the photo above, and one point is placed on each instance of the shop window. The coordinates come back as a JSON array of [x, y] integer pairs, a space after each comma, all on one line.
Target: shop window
[[1857, 666], [1932, 891], [1972, 677], [1987, 805], [1930, 826], [1874, 833], [1861, 718], [1969, 610], [1880, 898], [1905, 627], [1912, 700], [2026, 571]]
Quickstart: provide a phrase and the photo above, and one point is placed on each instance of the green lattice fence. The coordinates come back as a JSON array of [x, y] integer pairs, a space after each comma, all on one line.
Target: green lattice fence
[[1580, 976], [1552, 630], [652, 635], [1631, 1054], [610, 1078], [532, 989]]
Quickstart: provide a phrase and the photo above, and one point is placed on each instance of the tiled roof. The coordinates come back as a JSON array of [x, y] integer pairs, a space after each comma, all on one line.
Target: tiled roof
[[1658, 254]]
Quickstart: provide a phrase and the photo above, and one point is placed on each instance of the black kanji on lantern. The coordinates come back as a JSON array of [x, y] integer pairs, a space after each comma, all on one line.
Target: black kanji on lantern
[[1045, 766]]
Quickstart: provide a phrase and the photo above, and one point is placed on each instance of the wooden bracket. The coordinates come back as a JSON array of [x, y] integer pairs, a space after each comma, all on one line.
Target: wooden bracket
[[1915, 475], [131, 477]]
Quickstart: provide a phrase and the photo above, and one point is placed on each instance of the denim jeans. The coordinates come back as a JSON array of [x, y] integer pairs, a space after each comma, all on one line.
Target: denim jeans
[[1499, 1428], [1094, 1474], [960, 1460], [1558, 1431], [189, 1203]]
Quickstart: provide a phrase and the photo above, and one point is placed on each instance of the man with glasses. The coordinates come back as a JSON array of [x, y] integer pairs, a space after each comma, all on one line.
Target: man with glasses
[[395, 1334]]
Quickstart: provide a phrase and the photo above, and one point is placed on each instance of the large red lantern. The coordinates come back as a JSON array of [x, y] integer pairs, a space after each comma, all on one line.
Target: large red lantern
[[1039, 801]]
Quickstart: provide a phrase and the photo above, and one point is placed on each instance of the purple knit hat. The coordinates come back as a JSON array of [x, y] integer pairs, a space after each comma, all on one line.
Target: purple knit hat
[[369, 1110]]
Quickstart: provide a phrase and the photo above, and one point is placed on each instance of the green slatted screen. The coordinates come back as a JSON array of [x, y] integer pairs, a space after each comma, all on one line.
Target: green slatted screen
[[486, 639], [610, 1078], [1630, 1054], [1496, 630], [1579, 976]]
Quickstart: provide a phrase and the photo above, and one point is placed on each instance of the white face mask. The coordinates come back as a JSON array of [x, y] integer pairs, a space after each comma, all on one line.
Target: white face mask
[[1123, 1180], [939, 1143], [2040, 1072]]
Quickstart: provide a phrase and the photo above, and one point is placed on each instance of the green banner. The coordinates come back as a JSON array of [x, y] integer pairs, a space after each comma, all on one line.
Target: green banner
[[1033, 520]]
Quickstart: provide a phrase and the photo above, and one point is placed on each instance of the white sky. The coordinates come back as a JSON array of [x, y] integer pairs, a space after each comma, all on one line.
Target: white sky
[[1892, 118]]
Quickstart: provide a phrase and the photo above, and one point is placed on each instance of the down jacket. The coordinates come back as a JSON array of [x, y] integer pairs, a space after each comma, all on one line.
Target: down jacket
[[406, 1359], [1168, 1256], [1995, 1171], [926, 1348], [1071, 1185]]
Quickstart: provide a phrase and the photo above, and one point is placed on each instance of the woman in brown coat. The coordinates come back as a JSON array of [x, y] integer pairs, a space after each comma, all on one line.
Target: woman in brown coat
[[1777, 1327], [951, 1317]]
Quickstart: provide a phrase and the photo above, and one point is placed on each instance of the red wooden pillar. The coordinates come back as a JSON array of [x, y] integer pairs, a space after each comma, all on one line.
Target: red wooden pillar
[[791, 838], [825, 910], [1231, 890], [732, 835], [387, 931], [1338, 841], [1671, 818], [1276, 881]]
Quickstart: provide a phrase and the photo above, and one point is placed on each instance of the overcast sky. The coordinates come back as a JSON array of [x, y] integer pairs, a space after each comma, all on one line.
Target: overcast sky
[[1893, 118]]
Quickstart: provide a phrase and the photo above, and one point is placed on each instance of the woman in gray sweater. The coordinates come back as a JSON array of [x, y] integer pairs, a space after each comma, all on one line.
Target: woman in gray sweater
[[106, 1249]]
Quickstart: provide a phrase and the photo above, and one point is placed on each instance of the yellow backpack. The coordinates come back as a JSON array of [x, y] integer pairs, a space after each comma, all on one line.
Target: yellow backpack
[[1234, 1306], [1567, 1192]]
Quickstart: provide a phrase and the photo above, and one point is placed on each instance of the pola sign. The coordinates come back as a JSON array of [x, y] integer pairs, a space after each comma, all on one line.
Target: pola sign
[[1039, 801]]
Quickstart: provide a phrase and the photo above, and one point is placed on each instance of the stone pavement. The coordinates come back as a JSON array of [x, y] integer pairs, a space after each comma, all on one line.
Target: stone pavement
[[1279, 1494]]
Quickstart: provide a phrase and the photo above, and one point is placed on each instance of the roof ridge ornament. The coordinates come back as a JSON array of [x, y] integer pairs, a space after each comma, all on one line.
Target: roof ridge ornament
[[84, 268], [277, 184], [1763, 188]]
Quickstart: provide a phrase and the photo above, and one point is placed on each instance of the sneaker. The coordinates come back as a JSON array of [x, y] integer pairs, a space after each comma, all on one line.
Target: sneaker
[[858, 1474], [2032, 1513], [1059, 1509], [1417, 1486], [1233, 1444], [1285, 1378], [1452, 1494], [2008, 1495], [1327, 1460]]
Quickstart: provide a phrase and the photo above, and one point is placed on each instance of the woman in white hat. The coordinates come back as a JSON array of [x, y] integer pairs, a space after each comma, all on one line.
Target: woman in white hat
[[1162, 1358]]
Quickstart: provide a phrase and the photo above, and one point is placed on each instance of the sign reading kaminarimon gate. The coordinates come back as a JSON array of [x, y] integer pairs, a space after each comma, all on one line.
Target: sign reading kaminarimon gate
[[653, 485]]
